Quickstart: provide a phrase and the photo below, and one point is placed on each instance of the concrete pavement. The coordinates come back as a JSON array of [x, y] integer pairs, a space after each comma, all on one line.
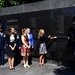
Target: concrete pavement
[[35, 69]]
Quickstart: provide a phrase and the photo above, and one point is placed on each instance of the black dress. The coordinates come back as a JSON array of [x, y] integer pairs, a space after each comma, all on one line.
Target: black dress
[[71, 35], [42, 45], [10, 40]]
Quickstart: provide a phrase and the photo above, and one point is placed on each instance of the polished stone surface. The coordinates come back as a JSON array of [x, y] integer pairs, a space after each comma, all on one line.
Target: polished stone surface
[[37, 6]]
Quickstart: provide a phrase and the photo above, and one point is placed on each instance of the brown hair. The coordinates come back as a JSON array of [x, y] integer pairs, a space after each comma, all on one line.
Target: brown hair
[[9, 30], [23, 30]]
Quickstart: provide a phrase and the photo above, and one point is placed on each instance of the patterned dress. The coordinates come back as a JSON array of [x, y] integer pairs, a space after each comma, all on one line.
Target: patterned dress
[[24, 49], [42, 45]]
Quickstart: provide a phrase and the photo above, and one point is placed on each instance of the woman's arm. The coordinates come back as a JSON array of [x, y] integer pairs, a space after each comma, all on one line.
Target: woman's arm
[[8, 40], [10, 46], [50, 37], [23, 41], [14, 45], [55, 37]]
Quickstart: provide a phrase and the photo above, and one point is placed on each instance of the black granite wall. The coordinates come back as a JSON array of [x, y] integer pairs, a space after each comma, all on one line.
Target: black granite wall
[[54, 16]]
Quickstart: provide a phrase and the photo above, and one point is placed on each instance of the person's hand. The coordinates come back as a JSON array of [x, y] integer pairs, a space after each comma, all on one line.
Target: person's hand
[[12, 48], [28, 47], [32, 46], [68, 37], [4, 47], [55, 37], [19, 47], [49, 36]]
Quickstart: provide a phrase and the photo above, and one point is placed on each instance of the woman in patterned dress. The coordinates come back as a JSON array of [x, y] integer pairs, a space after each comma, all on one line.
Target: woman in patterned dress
[[42, 45], [25, 50]]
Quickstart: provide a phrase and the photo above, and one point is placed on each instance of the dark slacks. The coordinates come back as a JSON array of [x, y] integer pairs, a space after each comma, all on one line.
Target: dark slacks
[[1, 56], [30, 57], [17, 56]]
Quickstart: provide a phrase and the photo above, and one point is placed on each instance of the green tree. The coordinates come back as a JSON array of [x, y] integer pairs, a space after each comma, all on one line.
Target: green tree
[[7, 3], [2, 3], [14, 2]]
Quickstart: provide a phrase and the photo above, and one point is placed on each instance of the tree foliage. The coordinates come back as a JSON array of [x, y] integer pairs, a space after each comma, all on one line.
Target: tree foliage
[[2, 3], [7, 3]]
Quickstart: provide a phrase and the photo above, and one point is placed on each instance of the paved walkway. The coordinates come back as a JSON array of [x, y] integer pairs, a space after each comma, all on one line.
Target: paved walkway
[[35, 69]]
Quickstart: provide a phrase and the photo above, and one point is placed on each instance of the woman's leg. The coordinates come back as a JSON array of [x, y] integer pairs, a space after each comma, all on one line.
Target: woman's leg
[[9, 63], [27, 60], [40, 59], [43, 60], [24, 60], [12, 60]]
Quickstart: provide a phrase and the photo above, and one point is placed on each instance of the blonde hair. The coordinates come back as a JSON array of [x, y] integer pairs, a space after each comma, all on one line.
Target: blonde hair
[[40, 33], [28, 28]]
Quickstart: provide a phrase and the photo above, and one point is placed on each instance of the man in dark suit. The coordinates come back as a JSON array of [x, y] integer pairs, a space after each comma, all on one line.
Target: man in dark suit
[[71, 39], [31, 41], [17, 51], [2, 44]]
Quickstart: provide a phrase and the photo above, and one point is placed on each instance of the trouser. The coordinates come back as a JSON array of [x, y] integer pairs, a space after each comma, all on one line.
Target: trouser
[[1, 56], [17, 56], [30, 57]]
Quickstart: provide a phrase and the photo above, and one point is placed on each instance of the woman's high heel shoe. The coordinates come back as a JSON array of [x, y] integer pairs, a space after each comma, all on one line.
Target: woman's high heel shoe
[[28, 66], [24, 66], [40, 64]]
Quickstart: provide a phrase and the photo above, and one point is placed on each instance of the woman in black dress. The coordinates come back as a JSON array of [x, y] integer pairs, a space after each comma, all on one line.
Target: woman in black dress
[[42, 45], [11, 44]]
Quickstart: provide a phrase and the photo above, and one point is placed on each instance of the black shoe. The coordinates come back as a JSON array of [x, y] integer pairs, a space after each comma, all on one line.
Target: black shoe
[[30, 63], [40, 64], [2, 64]]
